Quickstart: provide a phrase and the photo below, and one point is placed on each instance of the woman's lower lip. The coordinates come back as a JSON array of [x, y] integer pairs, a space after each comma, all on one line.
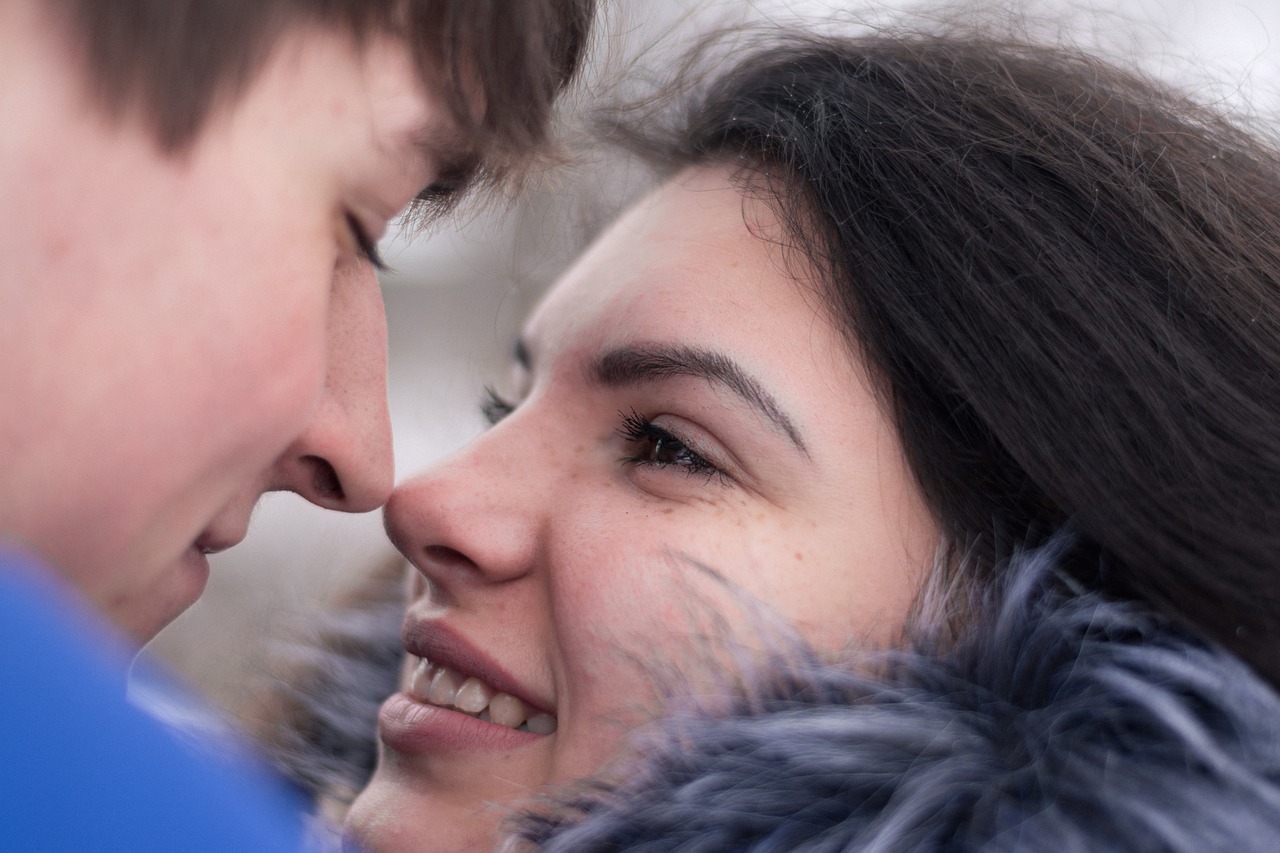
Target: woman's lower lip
[[407, 725]]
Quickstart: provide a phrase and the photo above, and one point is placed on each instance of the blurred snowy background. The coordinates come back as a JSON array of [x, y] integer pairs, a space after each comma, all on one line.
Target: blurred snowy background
[[457, 297]]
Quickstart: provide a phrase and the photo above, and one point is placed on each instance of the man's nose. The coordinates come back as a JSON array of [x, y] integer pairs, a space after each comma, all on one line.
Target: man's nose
[[343, 457]]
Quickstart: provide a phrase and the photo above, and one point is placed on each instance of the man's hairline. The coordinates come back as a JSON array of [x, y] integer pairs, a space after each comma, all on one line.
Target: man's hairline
[[442, 148]]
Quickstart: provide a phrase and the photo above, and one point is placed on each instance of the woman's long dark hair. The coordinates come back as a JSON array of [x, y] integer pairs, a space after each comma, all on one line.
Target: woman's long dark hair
[[1068, 279]]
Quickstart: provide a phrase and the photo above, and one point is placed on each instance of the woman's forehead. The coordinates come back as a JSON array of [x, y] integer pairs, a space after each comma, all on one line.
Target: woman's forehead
[[695, 246]]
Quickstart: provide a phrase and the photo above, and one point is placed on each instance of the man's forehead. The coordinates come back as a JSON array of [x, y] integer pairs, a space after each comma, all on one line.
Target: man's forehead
[[415, 117]]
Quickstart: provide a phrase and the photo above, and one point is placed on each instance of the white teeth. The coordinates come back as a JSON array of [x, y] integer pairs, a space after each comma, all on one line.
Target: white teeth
[[473, 696], [507, 710], [444, 687], [439, 685], [542, 724], [421, 681]]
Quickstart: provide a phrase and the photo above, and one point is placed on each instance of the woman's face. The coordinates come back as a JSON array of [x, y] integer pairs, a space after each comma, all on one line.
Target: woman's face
[[687, 434]]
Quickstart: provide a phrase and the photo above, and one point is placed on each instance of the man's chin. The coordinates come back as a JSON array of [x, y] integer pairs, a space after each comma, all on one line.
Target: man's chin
[[184, 582]]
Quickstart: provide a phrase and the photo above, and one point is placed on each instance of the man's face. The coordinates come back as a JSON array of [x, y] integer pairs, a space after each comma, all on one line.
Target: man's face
[[181, 333]]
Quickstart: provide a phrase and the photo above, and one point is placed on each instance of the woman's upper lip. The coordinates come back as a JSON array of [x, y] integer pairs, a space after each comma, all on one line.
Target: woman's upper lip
[[440, 644]]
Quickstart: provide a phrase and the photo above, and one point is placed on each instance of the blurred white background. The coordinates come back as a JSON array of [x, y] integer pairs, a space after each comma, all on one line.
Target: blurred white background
[[456, 299]]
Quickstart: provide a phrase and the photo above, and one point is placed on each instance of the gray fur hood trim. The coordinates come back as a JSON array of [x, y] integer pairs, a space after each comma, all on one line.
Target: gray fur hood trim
[[1061, 722], [322, 731]]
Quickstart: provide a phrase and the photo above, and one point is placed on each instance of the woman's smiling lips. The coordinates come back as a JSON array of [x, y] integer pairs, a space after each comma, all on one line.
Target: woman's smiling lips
[[458, 698]]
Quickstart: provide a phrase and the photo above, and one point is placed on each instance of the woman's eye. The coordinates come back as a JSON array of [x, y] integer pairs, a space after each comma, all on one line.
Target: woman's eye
[[661, 448], [493, 408]]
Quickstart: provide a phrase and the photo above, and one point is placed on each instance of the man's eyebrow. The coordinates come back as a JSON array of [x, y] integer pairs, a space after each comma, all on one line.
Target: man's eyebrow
[[633, 365]]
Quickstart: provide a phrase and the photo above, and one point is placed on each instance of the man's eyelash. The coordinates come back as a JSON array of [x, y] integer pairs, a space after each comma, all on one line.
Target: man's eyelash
[[365, 244], [492, 407]]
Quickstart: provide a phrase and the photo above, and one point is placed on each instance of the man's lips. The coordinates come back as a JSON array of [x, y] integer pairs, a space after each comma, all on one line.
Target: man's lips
[[215, 542], [208, 549]]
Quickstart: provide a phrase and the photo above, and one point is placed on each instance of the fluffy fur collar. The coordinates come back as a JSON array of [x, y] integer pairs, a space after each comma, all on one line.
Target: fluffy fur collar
[[1061, 722]]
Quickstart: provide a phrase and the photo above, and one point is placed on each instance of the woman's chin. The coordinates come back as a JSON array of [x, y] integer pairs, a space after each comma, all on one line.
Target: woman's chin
[[403, 816]]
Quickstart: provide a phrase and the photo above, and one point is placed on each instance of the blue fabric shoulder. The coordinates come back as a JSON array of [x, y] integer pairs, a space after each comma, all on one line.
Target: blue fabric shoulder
[[82, 769]]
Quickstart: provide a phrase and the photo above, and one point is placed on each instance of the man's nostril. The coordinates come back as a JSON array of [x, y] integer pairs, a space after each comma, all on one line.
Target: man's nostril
[[325, 479]]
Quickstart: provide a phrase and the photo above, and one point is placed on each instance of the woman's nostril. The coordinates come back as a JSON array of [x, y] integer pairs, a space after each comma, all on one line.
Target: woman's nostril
[[444, 556]]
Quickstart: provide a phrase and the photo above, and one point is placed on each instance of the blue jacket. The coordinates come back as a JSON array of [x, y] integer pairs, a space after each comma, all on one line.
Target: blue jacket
[[81, 769]]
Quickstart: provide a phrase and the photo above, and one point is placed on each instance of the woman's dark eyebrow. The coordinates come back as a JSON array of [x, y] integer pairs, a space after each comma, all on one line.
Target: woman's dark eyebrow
[[633, 365]]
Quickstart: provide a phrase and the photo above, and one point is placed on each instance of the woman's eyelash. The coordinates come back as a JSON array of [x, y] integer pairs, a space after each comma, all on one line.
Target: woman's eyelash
[[655, 446], [661, 448], [365, 244], [493, 407]]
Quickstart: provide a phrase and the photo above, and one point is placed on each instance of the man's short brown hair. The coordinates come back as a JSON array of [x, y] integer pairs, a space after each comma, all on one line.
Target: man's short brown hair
[[173, 61]]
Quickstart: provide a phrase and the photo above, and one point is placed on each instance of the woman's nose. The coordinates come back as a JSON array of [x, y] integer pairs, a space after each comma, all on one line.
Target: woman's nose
[[473, 520]]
